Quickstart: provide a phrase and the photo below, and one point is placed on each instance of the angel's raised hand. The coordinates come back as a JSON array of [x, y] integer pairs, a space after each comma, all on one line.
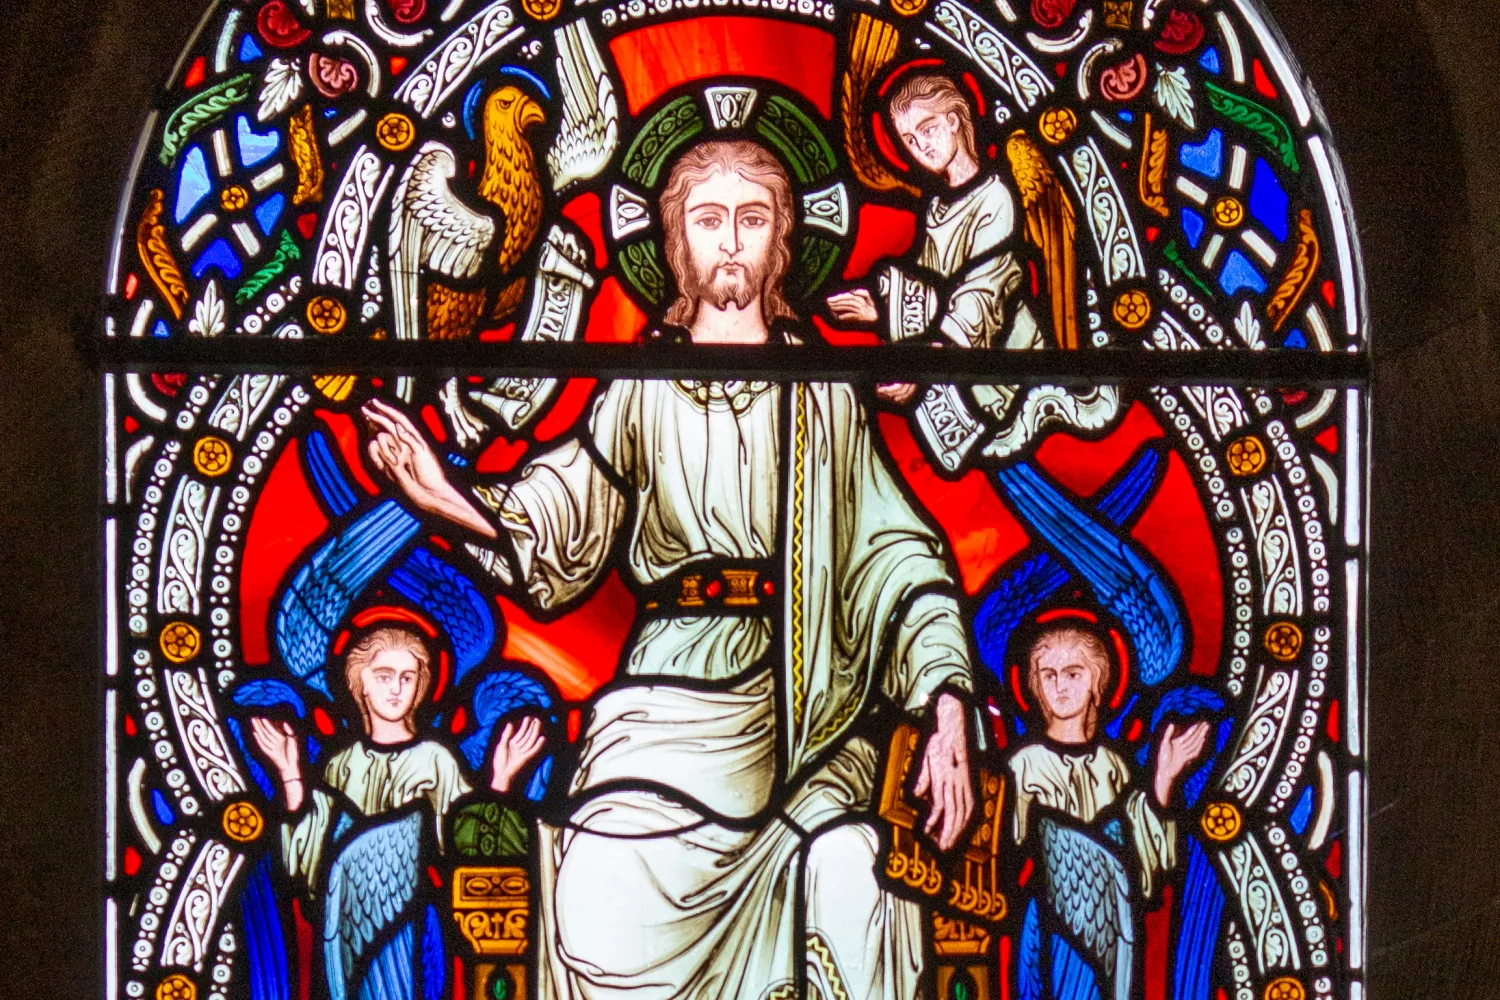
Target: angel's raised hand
[[514, 749]]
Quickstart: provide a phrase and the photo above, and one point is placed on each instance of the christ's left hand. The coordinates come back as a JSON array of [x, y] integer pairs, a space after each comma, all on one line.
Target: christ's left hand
[[944, 779]]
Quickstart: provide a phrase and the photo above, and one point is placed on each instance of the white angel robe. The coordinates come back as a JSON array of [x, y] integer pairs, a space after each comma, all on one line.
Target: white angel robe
[[375, 780], [961, 239], [706, 804], [1083, 784], [965, 287]]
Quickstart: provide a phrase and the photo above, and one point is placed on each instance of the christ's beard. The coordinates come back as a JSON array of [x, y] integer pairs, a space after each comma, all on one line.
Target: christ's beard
[[740, 286]]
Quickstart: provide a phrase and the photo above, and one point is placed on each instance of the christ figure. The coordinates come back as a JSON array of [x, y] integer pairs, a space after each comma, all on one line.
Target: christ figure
[[1090, 824], [719, 842]]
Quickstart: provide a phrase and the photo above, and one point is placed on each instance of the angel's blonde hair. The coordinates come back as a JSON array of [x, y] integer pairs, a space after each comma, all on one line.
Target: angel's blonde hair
[[944, 97]]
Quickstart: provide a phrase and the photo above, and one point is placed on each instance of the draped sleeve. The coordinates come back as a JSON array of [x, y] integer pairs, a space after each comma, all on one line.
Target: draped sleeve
[[303, 837], [561, 516], [1155, 840], [929, 652], [305, 834], [964, 287]]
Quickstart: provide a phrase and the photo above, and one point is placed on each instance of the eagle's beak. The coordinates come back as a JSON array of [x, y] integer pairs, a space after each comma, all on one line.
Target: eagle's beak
[[531, 114]]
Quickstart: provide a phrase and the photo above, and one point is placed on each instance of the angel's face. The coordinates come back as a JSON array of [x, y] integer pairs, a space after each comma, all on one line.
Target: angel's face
[[931, 135], [390, 684], [1065, 681]]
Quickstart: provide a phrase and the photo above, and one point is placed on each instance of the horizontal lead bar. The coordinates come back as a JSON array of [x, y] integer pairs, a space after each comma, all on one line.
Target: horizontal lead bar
[[775, 362]]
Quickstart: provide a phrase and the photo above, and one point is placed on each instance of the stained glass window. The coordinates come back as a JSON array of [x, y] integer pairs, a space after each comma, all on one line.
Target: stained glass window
[[766, 499]]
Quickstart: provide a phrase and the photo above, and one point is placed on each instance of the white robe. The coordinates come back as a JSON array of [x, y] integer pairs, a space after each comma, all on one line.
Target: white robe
[[680, 870], [962, 238], [1084, 784], [375, 781]]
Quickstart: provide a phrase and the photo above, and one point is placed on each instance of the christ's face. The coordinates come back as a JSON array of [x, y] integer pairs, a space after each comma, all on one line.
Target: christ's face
[[931, 135], [390, 684], [1065, 681], [729, 222]]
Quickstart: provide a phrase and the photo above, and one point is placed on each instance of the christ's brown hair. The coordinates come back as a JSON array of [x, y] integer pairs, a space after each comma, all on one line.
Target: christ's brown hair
[[754, 163], [1095, 658], [363, 652], [943, 95]]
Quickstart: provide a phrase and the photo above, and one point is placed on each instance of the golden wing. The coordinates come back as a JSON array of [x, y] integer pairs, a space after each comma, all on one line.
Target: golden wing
[[1051, 225], [872, 45]]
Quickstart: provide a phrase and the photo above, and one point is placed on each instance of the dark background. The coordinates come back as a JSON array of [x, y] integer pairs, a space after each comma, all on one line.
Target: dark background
[[1413, 92]]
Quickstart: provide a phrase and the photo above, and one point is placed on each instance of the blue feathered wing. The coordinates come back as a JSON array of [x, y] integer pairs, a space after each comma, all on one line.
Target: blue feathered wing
[[1122, 580], [453, 601], [1030, 585], [499, 693], [1089, 891], [370, 888], [320, 593]]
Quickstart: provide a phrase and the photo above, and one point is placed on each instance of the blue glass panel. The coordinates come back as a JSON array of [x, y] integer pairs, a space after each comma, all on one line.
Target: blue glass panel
[[249, 51], [1207, 157], [255, 147], [1303, 811], [1269, 201], [219, 254], [1192, 227], [1209, 60], [1295, 339], [1239, 273], [164, 813], [269, 211], [193, 183]]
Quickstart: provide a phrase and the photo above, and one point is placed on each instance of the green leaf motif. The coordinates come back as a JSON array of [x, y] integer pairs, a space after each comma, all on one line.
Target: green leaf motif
[[1259, 119], [668, 129], [641, 267], [273, 269], [1172, 254], [198, 111], [792, 132], [490, 830]]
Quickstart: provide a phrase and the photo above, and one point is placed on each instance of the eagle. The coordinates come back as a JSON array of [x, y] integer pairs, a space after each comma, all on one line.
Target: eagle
[[510, 180], [433, 230]]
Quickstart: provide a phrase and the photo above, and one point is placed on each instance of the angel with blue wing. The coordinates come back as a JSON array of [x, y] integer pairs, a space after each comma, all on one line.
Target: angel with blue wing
[[1102, 843], [369, 881]]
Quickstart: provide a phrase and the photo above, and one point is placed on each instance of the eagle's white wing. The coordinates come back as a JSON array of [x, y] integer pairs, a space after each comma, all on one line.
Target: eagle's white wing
[[590, 130], [431, 228]]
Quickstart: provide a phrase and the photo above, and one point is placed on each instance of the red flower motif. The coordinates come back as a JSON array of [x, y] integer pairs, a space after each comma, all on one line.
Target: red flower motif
[[1181, 34], [1125, 81], [279, 27], [1051, 13], [408, 11]]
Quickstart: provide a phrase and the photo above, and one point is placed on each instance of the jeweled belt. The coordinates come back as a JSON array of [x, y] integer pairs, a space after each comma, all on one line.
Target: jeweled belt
[[714, 587]]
